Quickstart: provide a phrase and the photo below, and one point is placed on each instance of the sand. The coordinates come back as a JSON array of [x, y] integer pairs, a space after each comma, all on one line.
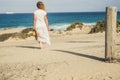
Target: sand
[[73, 55], [10, 30]]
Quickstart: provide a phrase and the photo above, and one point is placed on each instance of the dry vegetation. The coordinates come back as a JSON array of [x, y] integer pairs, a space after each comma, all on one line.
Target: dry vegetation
[[100, 27], [75, 25], [21, 35]]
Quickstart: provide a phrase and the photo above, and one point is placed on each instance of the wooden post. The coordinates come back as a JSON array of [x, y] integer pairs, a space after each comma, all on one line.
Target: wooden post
[[110, 34]]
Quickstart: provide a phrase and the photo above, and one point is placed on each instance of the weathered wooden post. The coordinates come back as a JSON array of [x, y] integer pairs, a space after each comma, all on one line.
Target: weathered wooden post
[[110, 34]]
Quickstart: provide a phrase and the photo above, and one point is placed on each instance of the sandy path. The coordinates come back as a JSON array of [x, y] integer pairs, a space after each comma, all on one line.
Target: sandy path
[[70, 57]]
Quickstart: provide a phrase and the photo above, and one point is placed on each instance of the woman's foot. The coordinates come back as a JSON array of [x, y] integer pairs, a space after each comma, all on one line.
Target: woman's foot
[[41, 45]]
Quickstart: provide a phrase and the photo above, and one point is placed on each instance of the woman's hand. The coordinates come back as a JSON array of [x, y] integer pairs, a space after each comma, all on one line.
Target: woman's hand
[[48, 28], [34, 28]]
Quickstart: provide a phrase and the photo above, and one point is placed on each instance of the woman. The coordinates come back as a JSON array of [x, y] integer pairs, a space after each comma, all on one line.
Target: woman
[[41, 25]]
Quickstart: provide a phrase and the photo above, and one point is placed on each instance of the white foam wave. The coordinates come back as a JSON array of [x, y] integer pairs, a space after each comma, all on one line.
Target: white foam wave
[[62, 26], [90, 23], [24, 27], [16, 27]]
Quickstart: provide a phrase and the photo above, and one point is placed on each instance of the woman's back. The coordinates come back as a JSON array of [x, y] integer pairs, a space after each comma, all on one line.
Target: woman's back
[[40, 16]]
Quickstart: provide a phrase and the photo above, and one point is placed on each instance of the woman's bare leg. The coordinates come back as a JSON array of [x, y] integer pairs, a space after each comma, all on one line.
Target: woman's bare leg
[[41, 45]]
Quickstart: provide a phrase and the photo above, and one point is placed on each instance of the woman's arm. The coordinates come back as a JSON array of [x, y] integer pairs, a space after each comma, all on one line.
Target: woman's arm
[[34, 21], [46, 21]]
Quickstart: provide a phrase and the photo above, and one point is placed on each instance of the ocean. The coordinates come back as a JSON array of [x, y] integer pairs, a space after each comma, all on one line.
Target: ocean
[[57, 21]]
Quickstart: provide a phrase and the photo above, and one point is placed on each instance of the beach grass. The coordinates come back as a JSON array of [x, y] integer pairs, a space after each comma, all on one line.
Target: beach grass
[[75, 25], [25, 33], [100, 27]]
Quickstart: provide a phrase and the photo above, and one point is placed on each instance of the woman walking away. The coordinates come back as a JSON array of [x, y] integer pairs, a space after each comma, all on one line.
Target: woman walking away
[[41, 25]]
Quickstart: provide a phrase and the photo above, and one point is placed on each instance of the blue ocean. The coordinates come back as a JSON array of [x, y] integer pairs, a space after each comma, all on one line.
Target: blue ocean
[[56, 20]]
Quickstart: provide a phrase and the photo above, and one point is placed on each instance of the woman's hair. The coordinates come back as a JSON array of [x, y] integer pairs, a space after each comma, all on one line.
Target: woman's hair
[[40, 5]]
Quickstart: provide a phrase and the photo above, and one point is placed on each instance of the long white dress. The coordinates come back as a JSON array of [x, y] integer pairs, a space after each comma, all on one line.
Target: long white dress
[[41, 28]]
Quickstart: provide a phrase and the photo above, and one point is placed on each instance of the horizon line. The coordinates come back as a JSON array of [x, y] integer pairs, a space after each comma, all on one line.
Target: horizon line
[[57, 12]]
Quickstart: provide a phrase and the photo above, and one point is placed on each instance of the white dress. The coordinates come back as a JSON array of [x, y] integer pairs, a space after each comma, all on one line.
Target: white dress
[[41, 28]]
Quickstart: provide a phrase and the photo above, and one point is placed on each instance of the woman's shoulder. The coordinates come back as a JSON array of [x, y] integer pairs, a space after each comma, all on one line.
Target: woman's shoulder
[[36, 11], [40, 11]]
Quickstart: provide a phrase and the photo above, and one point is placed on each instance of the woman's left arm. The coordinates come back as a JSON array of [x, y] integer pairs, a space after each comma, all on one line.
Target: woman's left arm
[[46, 21], [34, 21]]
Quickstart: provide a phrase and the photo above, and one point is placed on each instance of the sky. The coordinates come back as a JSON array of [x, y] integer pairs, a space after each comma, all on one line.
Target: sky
[[28, 6]]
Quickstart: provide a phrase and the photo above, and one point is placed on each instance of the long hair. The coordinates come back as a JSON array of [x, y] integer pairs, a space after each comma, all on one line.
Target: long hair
[[40, 5]]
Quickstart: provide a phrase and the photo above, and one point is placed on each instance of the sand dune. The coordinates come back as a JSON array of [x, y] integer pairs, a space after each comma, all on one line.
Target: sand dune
[[72, 56]]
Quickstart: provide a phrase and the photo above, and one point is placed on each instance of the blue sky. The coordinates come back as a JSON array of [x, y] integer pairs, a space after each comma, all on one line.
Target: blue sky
[[28, 6]]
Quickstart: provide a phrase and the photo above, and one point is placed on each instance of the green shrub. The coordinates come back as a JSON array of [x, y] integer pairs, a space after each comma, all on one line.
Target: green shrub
[[118, 26], [100, 27], [27, 30], [4, 37], [21, 35], [75, 25]]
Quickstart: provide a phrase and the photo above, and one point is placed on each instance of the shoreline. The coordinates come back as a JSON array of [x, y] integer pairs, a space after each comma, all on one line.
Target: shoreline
[[84, 30], [61, 26]]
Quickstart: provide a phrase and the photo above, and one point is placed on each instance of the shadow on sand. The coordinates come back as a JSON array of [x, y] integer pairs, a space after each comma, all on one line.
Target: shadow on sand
[[32, 47], [81, 41], [118, 44], [82, 55]]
